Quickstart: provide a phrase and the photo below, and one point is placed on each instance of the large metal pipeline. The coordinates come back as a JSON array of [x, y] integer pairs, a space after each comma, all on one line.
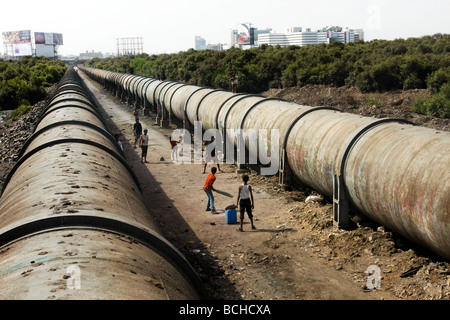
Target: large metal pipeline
[[73, 223], [389, 170]]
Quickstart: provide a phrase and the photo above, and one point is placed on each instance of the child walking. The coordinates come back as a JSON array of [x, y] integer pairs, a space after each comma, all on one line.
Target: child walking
[[208, 188], [143, 143], [137, 130], [245, 201], [174, 148]]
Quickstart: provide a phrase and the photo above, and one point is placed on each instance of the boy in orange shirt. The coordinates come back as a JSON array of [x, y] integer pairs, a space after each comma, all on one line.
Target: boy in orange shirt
[[208, 188]]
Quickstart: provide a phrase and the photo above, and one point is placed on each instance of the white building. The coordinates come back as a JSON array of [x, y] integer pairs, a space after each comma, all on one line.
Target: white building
[[200, 44], [304, 36], [90, 55], [214, 46], [359, 34]]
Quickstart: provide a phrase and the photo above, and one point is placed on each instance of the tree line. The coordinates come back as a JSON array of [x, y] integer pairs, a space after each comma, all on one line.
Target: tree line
[[375, 66], [24, 82]]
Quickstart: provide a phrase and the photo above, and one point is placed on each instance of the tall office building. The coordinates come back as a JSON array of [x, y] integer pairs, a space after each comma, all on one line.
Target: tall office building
[[200, 43]]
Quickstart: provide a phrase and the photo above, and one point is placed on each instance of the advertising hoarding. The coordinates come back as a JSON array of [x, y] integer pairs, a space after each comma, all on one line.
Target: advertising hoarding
[[48, 38], [39, 38], [22, 49], [245, 34], [243, 31], [19, 43], [12, 37], [58, 39]]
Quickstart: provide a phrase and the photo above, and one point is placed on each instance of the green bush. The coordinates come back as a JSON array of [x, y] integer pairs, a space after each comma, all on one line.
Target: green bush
[[437, 106], [372, 101], [27, 79], [437, 79], [19, 111]]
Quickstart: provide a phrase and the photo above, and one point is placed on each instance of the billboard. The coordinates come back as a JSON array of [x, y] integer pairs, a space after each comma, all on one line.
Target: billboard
[[13, 37], [245, 34], [48, 38], [39, 38], [22, 49], [58, 39]]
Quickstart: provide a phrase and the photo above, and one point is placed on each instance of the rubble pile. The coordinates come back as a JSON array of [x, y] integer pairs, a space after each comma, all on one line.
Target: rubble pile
[[13, 135], [407, 270]]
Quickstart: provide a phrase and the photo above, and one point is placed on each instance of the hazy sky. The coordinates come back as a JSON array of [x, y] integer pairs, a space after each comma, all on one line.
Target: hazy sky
[[171, 25]]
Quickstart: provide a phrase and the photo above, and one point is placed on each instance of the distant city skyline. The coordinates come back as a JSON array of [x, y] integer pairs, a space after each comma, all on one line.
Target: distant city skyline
[[168, 27]]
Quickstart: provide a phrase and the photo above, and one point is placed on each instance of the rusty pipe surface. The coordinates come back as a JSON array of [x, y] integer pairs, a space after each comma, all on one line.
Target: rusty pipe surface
[[394, 173], [72, 204]]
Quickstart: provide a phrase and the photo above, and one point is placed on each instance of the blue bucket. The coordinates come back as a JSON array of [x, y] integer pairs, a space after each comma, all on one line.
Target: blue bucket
[[231, 216]]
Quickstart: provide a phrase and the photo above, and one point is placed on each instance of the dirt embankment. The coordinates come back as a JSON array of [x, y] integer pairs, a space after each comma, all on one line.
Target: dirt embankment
[[13, 134], [394, 104]]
